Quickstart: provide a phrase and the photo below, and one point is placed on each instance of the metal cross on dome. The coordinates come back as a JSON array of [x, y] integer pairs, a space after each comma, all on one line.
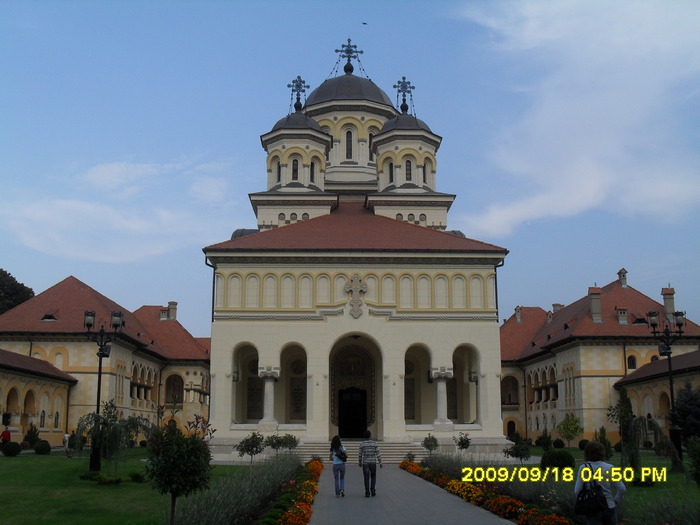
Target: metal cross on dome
[[349, 51], [403, 86], [298, 86]]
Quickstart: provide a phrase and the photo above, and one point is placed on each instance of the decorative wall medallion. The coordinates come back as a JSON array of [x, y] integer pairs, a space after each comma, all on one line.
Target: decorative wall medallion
[[355, 286]]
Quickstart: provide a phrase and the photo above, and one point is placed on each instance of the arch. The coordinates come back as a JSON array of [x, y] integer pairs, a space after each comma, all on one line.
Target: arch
[[235, 289], [252, 291], [419, 394], [459, 292], [305, 291], [463, 389], [349, 139], [408, 170], [323, 289], [511, 428], [406, 299], [287, 290], [476, 291], [491, 300], [372, 293], [295, 169], [631, 362], [390, 168], [29, 405], [424, 290], [388, 290], [291, 402], [510, 388], [442, 293], [247, 405], [174, 390], [219, 290], [312, 171]]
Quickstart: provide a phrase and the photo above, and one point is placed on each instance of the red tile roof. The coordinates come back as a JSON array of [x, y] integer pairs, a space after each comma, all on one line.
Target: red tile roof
[[575, 321], [61, 310], [173, 340], [352, 227], [30, 365], [688, 362], [515, 335]]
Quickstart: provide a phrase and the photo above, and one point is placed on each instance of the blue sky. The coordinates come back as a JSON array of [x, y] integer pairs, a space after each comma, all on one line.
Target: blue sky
[[130, 134]]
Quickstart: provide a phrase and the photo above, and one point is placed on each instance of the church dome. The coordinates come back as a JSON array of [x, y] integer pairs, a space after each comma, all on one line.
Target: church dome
[[297, 120], [348, 87], [405, 121]]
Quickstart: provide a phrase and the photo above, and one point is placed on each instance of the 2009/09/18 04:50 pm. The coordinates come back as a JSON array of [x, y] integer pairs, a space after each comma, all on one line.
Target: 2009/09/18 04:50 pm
[[540, 475]]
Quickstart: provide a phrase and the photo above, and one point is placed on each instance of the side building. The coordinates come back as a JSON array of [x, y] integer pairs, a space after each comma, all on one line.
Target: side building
[[49, 367], [573, 359]]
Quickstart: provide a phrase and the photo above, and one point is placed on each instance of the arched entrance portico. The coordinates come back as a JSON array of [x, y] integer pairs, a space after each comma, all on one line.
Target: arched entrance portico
[[355, 389]]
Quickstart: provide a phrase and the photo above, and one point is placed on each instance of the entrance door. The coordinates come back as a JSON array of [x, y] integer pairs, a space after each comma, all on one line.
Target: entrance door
[[352, 412]]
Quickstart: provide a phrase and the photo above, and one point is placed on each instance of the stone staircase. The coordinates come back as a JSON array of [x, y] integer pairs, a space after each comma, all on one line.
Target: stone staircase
[[392, 453]]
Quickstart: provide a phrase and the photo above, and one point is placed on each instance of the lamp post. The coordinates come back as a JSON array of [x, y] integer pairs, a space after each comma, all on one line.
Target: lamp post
[[103, 338], [668, 332]]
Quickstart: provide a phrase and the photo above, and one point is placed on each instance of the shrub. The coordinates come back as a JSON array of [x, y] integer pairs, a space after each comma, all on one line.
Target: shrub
[[557, 458], [618, 446], [544, 440], [289, 441], [137, 477], [430, 443], [648, 444], [42, 447], [410, 456], [104, 479], [520, 449], [558, 443], [582, 444], [462, 441], [251, 445], [11, 449], [25, 445], [694, 455], [600, 436], [32, 435], [143, 443]]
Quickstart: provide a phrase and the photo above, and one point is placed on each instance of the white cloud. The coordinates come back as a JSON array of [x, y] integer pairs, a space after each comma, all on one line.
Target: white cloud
[[611, 87], [97, 232], [123, 178], [209, 189]]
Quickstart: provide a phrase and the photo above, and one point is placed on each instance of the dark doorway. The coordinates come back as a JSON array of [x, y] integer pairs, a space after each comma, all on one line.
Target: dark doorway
[[352, 412]]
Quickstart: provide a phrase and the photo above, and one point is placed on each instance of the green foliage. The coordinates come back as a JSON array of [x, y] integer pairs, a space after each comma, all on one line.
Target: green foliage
[[409, 456], [638, 431], [289, 441], [251, 445], [112, 434], [430, 443], [600, 436], [582, 444], [32, 435], [544, 440], [179, 463], [104, 479], [694, 457], [688, 411], [11, 449], [137, 477], [618, 447], [622, 414], [569, 428], [519, 450], [462, 441], [238, 497], [12, 292], [42, 447], [558, 443], [557, 458]]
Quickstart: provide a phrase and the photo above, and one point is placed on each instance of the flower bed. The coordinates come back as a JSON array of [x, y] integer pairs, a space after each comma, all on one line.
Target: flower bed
[[294, 505], [487, 497]]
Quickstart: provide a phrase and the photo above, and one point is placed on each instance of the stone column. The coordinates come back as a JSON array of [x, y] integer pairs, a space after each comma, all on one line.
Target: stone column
[[442, 423], [268, 423]]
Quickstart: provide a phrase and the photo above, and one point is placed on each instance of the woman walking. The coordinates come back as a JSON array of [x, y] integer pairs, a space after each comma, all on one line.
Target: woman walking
[[593, 456], [339, 458]]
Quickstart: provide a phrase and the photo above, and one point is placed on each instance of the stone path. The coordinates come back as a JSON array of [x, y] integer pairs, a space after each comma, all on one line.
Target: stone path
[[402, 499]]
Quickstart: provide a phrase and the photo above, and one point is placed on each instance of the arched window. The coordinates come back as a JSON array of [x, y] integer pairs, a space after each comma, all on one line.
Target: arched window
[[348, 145], [55, 420], [425, 175], [293, 217], [631, 362], [409, 176], [312, 172], [391, 173], [654, 358], [279, 172], [369, 145], [399, 217], [174, 390], [42, 419], [295, 169]]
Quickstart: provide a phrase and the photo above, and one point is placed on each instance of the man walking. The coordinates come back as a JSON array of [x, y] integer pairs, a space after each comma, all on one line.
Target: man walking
[[368, 457]]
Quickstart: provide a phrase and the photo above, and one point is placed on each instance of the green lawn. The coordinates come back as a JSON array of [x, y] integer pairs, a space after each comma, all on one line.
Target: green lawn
[[47, 490]]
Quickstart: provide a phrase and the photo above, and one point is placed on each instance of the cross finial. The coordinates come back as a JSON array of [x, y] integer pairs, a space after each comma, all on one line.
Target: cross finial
[[298, 86], [403, 86], [349, 51]]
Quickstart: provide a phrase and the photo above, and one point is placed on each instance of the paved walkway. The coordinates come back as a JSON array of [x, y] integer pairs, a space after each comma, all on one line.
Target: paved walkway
[[402, 499]]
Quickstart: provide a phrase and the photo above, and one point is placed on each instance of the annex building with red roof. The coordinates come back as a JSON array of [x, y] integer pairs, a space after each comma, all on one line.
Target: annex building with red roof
[[351, 306], [49, 366], [573, 359]]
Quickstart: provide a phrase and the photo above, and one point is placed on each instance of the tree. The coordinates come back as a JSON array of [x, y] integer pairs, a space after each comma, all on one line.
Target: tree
[[430, 443], [111, 433], [12, 292], [462, 441], [688, 411], [252, 445], [569, 428], [601, 437], [520, 448], [622, 414], [179, 462]]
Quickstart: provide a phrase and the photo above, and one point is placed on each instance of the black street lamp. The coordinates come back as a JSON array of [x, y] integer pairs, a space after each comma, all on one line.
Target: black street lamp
[[668, 332], [103, 339]]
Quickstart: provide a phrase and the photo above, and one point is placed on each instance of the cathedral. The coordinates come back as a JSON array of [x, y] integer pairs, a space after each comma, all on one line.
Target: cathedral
[[352, 306]]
